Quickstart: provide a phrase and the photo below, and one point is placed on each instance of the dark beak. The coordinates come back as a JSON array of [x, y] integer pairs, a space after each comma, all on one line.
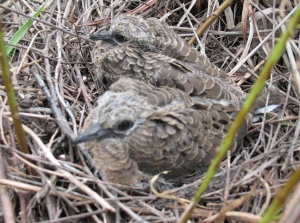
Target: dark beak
[[103, 35], [93, 132]]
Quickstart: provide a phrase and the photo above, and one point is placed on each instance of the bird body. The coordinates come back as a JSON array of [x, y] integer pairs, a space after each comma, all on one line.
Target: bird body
[[170, 112], [112, 159], [149, 50], [158, 128]]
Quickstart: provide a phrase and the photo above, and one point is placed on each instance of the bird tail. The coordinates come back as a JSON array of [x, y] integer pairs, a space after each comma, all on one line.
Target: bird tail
[[272, 98]]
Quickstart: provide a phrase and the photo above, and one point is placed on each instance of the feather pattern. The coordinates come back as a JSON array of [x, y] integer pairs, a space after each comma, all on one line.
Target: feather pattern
[[148, 50], [158, 128]]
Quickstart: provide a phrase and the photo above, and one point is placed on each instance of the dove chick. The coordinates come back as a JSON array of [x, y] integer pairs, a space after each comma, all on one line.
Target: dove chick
[[151, 129], [148, 50]]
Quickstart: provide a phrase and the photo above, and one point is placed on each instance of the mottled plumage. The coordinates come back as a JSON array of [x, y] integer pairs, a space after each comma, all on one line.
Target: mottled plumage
[[137, 129], [148, 50], [112, 159]]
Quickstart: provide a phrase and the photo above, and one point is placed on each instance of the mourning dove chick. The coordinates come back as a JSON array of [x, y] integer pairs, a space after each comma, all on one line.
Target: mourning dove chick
[[151, 129], [148, 50]]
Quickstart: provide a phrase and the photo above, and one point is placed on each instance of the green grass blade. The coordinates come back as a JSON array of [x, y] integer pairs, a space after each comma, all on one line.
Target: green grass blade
[[11, 97], [21, 32], [257, 87]]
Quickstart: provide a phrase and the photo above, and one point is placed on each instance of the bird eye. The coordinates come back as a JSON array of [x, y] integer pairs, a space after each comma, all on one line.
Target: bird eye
[[120, 38], [124, 125]]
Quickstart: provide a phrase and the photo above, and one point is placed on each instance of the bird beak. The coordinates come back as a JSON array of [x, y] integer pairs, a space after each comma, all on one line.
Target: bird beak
[[103, 35], [92, 132]]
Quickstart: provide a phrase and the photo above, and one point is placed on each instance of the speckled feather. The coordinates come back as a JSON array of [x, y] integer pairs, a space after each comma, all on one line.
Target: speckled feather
[[154, 53], [170, 130], [112, 158]]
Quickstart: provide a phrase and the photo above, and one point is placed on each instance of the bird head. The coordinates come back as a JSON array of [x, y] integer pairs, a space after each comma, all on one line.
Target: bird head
[[148, 35], [117, 115], [127, 29]]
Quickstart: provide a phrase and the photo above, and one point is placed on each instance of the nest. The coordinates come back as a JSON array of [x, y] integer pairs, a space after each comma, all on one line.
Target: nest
[[53, 79]]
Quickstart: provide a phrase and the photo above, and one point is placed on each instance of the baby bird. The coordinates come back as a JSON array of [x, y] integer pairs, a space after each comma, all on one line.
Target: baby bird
[[148, 50], [137, 130]]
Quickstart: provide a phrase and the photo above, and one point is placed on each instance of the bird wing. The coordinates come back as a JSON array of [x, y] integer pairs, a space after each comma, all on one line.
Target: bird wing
[[180, 140], [160, 70], [174, 46]]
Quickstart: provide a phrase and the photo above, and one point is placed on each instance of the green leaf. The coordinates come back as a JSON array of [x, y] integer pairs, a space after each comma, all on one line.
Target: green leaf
[[21, 32]]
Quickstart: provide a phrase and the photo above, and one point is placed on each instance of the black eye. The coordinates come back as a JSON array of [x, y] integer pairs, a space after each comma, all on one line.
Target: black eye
[[120, 38], [124, 125]]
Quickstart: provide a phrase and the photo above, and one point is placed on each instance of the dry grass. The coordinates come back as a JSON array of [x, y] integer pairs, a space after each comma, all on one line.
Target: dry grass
[[56, 50]]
